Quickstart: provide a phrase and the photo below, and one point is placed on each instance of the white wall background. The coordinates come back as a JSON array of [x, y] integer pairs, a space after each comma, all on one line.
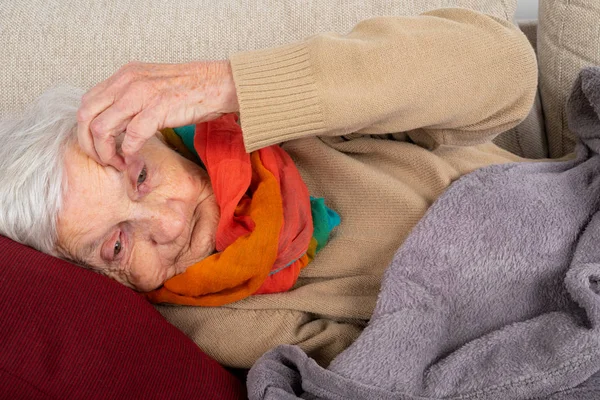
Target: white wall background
[[527, 9]]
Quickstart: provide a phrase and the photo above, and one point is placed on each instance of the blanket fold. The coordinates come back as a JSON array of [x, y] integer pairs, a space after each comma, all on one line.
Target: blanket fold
[[494, 295]]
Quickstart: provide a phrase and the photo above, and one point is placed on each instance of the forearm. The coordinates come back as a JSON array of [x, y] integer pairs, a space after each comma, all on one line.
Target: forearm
[[460, 76]]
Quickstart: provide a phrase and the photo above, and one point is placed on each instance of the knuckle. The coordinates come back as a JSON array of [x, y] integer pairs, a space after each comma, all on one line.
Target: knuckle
[[126, 76], [132, 69], [98, 128], [126, 73], [133, 89], [134, 131], [140, 128], [120, 106], [138, 87], [127, 66], [82, 115], [85, 99], [133, 64]]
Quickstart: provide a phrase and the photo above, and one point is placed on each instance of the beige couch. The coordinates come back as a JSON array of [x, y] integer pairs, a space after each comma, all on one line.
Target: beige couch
[[81, 43]]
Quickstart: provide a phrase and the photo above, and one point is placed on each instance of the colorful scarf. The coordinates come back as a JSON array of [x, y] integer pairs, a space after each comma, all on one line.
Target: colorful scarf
[[269, 228]]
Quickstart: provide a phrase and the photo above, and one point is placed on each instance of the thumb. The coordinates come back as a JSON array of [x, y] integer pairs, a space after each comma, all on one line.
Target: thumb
[[141, 128], [118, 162]]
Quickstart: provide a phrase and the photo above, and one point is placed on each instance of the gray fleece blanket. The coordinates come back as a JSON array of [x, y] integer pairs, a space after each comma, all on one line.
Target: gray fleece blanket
[[495, 294]]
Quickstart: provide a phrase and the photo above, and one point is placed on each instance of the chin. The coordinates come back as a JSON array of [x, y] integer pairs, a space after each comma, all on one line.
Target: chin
[[147, 285]]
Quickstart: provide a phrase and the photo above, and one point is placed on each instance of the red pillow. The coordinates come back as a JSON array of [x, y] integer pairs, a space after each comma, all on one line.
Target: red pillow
[[66, 332]]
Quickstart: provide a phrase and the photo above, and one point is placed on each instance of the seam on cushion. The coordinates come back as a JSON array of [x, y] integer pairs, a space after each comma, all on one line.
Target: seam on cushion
[[519, 144], [559, 60], [300, 314], [30, 384], [505, 7]]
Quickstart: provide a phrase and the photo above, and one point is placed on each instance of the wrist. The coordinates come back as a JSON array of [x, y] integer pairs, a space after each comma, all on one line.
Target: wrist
[[219, 87], [230, 92]]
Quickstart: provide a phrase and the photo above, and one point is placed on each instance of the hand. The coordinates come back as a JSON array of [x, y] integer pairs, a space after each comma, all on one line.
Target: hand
[[140, 99]]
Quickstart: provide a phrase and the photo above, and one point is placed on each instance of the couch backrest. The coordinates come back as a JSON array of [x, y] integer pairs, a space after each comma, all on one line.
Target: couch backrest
[[83, 42]]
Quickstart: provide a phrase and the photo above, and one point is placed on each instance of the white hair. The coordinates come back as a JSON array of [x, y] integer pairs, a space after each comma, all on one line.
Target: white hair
[[32, 149]]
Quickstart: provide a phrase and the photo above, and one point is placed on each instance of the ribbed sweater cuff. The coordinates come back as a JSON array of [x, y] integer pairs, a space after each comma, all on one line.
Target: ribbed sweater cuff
[[278, 97]]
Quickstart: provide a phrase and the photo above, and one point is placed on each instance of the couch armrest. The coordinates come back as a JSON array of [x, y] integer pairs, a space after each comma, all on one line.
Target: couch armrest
[[529, 28]]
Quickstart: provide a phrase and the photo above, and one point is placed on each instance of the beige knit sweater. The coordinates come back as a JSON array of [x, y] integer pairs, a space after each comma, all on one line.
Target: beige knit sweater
[[379, 121]]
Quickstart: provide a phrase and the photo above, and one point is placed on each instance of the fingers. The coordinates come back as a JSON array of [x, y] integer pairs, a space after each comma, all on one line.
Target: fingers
[[100, 119], [109, 119], [111, 123], [117, 161], [88, 110], [142, 127], [140, 99]]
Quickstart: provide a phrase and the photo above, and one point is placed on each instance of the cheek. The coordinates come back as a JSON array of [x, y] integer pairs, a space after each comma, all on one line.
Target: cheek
[[175, 171], [192, 183], [151, 273], [180, 172]]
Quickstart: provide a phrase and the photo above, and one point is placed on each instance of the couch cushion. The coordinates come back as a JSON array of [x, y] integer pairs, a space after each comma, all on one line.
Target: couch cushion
[[69, 333], [528, 139], [568, 40], [82, 43]]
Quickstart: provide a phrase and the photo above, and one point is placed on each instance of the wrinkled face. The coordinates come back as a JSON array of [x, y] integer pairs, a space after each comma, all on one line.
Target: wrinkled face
[[140, 226]]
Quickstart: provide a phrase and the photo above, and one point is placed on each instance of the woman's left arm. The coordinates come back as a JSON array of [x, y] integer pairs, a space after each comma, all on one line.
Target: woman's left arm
[[455, 75]]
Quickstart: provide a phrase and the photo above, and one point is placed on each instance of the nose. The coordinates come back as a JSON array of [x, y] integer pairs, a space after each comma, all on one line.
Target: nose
[[162, 222]]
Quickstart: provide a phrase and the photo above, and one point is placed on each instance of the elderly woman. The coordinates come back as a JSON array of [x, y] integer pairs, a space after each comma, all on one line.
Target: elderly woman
[[378, 122]]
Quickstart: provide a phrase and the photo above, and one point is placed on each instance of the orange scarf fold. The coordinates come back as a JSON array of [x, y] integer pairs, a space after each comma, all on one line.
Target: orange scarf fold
[[264, 236]]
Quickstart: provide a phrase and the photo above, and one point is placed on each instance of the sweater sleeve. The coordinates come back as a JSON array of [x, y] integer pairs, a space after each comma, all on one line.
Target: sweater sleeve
[[456, 76]]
